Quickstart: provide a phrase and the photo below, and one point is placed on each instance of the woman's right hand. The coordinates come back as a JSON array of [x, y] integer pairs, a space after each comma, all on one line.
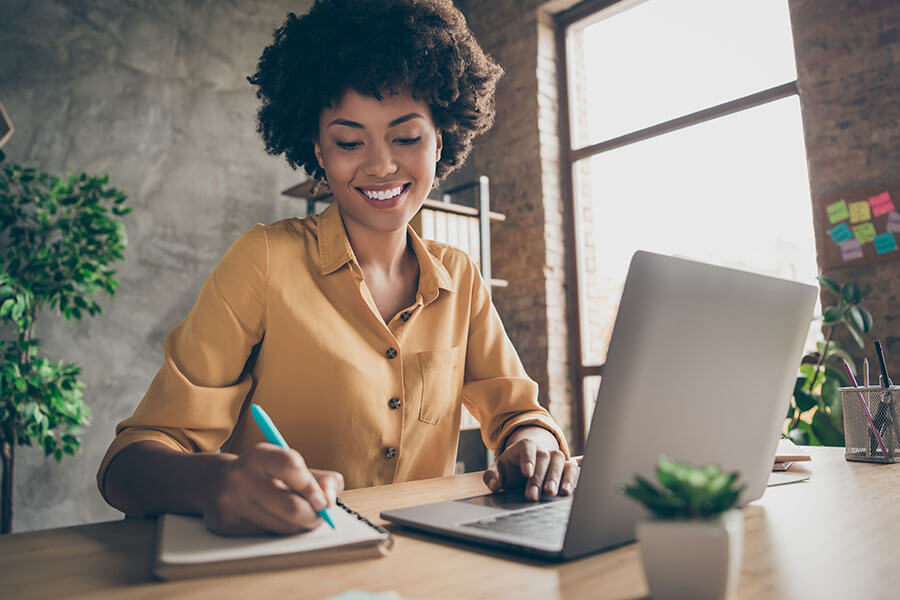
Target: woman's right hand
[[269, 489]]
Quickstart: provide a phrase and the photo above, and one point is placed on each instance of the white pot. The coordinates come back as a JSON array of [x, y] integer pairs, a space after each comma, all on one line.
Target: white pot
[[696, 559]]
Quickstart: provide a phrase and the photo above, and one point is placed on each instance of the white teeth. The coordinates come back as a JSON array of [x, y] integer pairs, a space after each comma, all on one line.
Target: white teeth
[[384, 194]]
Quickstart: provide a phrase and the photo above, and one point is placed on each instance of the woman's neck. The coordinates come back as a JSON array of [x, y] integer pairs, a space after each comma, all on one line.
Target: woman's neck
[[387, 252]]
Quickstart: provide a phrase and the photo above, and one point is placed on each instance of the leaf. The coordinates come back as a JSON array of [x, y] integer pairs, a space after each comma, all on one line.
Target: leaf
[[858, 318], [851, 293], [866, 317], [805, 433], [831, 397], [825, 430], [802, 398], [857, 336], [829, 284], [833, 315]]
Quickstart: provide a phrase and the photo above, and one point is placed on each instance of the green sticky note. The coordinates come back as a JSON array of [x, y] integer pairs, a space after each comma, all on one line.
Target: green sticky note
[[837, 211], [885, 242], [864, 232]]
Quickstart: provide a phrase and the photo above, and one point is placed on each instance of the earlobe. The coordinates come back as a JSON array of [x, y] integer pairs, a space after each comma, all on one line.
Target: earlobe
[[318, 152]]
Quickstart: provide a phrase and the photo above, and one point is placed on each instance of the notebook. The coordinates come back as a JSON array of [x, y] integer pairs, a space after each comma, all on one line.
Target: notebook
[[700, 368], [186, 548], [787, 454]]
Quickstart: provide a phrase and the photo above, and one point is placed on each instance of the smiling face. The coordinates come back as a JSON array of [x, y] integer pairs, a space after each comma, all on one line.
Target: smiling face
[[379, 157]]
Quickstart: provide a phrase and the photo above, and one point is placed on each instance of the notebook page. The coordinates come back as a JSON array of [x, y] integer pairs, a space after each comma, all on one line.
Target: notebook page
[[186, 539]]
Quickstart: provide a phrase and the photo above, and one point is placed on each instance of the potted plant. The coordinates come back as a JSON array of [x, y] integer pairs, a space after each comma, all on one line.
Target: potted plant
[[692, 544], [815, 416], [58, 237]]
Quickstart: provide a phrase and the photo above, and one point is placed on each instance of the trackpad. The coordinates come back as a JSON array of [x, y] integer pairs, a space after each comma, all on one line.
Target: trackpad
[[509, 500]]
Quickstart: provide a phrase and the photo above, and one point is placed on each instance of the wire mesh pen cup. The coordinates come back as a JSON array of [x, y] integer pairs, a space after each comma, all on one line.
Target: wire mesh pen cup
[[880, 440]]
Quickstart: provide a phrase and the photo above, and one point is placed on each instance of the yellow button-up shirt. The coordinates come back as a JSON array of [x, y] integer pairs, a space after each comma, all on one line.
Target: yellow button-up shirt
[[286, 320]]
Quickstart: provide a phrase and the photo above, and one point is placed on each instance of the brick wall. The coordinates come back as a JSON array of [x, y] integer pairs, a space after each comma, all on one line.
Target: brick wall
[[848, 72], [521, 157]]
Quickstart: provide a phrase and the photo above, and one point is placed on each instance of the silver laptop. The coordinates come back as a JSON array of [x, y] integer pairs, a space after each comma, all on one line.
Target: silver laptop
[[700, 368]]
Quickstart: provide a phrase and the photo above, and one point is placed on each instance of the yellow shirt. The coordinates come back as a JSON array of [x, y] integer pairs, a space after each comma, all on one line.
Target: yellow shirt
[[286, 320]]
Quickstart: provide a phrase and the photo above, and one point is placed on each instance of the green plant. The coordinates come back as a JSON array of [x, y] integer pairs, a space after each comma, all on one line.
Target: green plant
[[687, 492], [58, 237], [816, 413]]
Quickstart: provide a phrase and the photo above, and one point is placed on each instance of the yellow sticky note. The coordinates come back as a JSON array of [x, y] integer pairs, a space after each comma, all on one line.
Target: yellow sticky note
[[864, 232], [860, 211], [837, 211]]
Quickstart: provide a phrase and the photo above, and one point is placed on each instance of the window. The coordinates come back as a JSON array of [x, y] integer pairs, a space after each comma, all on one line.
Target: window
[[684, 137]]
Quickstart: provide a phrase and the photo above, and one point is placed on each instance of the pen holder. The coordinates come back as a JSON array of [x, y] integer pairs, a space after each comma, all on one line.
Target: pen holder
[[871, 430]]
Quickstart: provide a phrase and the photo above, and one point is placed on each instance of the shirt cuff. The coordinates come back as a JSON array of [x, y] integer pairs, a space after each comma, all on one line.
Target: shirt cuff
[[538, 419]]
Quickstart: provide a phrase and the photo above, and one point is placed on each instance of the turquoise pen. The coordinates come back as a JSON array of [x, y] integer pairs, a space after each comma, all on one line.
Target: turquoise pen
[[273, 436]]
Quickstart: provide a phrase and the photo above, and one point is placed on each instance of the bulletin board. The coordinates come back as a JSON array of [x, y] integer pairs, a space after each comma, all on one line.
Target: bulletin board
[[860, 226]]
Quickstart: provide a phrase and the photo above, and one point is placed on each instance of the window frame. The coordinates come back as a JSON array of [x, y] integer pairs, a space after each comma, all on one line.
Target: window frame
[[569, 156]]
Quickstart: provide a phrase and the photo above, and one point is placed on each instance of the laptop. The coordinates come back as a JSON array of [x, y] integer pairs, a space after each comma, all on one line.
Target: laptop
[[700, 368]]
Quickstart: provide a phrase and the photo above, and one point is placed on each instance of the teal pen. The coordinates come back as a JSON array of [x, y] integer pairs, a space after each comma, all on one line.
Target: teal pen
[[273, 436]]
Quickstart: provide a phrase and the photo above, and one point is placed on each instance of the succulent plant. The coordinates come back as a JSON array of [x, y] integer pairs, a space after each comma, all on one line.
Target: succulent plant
[[687, 492]]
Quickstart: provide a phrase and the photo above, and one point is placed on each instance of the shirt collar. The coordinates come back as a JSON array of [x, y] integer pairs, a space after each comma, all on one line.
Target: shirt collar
[[334, 247], [335, 251]]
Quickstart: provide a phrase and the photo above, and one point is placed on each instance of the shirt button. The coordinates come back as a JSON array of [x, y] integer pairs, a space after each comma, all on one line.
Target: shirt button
[[390, 453], [405, 315], [390, 353], [394, 403]]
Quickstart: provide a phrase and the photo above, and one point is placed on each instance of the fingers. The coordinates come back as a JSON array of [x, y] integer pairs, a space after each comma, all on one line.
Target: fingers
[[492, 478], [288, 466], [536, 481], [571, 470], [272, 489], [510, 468], [331, 483], [553, 478]]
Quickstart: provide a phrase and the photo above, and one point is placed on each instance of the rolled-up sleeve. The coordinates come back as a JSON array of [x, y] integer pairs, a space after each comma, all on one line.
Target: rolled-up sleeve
[[497, 390], [195, 399]]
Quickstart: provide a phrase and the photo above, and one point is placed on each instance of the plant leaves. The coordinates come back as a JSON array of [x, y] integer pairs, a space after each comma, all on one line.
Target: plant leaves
[[802, 398], [826, 431], [829, 284], [860, 318], [833, 315], [851, 293]]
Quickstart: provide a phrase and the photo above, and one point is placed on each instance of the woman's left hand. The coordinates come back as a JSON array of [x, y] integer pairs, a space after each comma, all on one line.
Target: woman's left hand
[[532, 458]]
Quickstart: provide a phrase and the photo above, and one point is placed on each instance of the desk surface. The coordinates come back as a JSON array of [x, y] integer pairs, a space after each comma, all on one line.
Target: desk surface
[[834, 536]]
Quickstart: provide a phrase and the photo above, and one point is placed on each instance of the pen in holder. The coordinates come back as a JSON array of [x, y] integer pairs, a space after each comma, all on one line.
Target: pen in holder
[[871, 430]]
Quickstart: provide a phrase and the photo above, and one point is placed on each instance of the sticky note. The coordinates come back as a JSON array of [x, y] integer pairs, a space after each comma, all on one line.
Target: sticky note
[[851, 250], [859, 211], [837, 211], [864, 232], [893, 222], [840, 233], [881, 204], [885, 242]]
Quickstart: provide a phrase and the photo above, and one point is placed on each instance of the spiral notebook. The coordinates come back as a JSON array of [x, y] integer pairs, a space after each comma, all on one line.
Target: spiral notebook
[[186, 548]]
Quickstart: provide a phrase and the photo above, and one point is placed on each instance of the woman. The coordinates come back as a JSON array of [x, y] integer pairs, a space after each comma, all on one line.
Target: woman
[[358, 338]]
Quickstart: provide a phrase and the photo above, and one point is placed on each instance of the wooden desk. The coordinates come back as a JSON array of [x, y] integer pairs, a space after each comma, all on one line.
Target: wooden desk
[[835, 536]]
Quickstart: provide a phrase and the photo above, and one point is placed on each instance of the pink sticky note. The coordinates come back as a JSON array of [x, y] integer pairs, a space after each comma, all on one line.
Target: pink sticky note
[[893, 223], [851, 250], [881, 204]]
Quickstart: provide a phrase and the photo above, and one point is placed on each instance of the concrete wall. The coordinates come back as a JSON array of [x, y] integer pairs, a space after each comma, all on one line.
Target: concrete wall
[[153, 93]]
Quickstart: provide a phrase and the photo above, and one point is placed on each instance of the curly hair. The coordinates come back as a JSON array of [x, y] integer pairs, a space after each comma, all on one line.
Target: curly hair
[[376, 47]]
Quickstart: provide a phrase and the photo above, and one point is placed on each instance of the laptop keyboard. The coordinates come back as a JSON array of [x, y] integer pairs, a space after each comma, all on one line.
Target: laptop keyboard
[[545, 522]]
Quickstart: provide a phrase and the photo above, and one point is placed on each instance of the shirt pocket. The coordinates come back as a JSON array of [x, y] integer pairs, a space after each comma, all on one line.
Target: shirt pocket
[[438, 369]]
